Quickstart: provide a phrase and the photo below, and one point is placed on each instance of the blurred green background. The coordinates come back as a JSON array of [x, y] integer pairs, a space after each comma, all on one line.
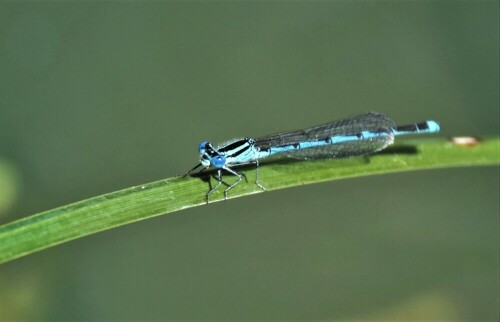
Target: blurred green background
[[95, 97]]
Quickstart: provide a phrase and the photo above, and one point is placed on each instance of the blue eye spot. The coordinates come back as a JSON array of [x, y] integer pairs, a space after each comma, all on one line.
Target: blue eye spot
[[202, 146], [218, 161]]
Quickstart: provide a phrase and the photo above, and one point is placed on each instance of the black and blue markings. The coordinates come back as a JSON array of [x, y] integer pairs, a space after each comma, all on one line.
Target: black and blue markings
[[360, 135]]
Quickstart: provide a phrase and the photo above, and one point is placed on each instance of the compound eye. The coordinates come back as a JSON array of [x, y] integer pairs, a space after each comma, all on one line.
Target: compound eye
[[218, 161], [202, 147]]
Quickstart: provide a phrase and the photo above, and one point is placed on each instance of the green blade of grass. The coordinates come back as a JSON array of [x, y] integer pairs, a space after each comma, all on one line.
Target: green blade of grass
[[103, 212]]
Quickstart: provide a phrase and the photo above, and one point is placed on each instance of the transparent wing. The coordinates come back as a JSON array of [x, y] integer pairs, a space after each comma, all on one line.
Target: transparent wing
[[378, 125]]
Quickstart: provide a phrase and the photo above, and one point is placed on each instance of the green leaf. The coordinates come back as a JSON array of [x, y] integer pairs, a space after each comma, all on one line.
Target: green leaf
[[103, 212]]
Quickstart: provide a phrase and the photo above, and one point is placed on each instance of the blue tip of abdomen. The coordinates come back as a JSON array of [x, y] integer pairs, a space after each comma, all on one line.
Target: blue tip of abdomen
[[433, 126], [423, 127]]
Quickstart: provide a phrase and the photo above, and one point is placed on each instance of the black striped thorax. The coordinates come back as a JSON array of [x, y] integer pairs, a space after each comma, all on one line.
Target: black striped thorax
[[238, 151]]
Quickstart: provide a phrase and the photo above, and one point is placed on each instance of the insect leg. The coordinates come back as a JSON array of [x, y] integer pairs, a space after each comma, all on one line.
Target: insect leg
[[240, 176], [257, 176], [219, 177]]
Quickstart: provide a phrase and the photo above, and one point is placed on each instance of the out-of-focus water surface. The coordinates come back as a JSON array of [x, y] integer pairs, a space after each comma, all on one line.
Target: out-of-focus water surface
[[95, 97]]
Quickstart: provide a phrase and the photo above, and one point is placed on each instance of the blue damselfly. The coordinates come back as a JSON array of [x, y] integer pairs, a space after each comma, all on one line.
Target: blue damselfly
[[356, 136]]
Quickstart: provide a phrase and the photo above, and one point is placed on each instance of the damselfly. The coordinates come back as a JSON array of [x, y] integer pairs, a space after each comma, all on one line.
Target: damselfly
[[356, 136]]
